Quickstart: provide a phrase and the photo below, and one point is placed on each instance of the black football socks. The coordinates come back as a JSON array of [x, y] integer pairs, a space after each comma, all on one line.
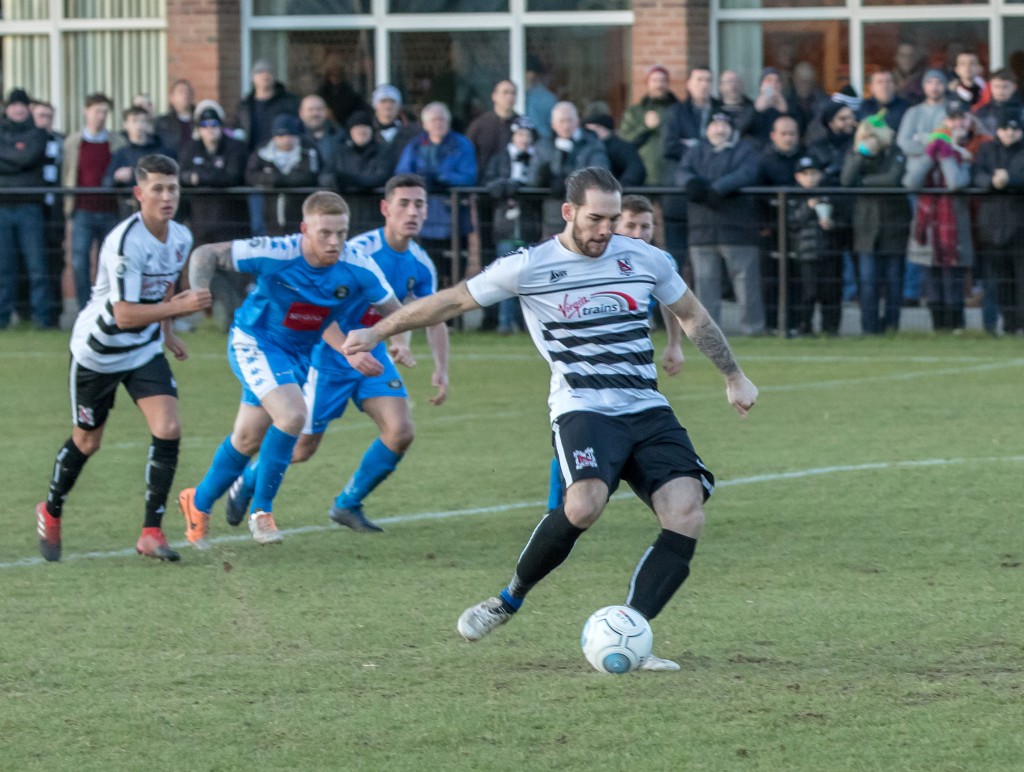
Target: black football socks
[[549, 546], [661, 571], [66, 468], [160, 468]]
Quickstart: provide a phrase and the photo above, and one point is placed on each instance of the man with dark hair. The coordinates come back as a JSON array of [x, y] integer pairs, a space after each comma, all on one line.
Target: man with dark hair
[[22, 158], [87, 154], [305, 283], [332, 381], [1003, 88], [138, 127], [641, 123], [586, 294], [118, 339], [174, 128], [623, 157]]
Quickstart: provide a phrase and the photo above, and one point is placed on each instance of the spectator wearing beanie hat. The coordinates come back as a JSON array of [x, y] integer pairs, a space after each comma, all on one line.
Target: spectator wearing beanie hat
[[23, 147], [288, 160], [362, 162], [641, 123], [215, 160]]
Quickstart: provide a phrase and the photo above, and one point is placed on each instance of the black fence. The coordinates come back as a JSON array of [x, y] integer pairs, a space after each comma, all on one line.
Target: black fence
[[786, 223]]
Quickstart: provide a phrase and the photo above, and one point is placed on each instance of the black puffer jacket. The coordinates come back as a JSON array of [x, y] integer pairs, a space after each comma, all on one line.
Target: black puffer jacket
[[22, 156]]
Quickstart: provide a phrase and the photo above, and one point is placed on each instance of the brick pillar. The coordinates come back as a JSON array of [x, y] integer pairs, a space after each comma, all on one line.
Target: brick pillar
[[674, 33], [204, 45]]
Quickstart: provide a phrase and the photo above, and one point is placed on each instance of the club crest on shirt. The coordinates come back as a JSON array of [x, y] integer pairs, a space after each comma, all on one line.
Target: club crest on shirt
[[341, 292], [556, 275], [121, 270], [625, 266], [584, 458], [410, 283]]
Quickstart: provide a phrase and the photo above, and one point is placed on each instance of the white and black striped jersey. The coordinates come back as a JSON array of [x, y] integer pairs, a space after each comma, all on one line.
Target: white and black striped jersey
[[589, 319], [134, 266]]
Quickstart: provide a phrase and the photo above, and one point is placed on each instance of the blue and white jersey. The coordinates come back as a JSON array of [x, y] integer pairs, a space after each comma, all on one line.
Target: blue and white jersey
[[588, 317], [410, 272], [293, 302]]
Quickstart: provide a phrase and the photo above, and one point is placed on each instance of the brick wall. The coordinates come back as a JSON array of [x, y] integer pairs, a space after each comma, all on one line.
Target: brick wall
[[674, 33], [204, 46]]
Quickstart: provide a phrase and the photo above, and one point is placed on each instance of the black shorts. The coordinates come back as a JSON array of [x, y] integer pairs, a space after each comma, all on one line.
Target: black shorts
[[92, 393], [645, 449]]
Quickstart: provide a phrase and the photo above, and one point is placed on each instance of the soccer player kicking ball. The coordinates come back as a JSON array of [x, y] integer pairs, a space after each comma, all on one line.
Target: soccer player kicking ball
[[305, 283], [585, 294], [332, 381], [118, 338], [637, 222]]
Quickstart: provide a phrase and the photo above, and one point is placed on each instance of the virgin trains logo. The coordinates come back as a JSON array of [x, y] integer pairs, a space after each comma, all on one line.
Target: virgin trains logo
[[598, 304]]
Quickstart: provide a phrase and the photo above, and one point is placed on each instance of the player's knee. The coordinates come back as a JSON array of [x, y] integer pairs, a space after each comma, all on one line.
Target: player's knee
[[399, 437], [291, 421], [246, 441], [88, 442], [686, 520], [168, 429]]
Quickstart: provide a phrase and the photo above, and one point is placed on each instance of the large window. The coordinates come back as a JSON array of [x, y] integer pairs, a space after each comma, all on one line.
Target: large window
[[118, 47], [934, 43], [457, 68]]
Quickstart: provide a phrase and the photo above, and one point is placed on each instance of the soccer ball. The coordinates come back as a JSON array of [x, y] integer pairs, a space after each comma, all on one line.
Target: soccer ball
[[615, 639]]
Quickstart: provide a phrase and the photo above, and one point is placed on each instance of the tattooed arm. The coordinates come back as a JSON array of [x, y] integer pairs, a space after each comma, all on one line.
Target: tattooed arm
[[205, 262], [708, 338]]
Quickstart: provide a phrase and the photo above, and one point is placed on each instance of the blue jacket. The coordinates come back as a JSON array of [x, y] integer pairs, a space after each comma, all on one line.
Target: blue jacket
[[452, 163]]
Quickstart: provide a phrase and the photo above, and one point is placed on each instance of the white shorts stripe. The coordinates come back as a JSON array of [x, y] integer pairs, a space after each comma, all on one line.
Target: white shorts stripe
[[258, 373], [72, 387], [309, 394], [563, 462]]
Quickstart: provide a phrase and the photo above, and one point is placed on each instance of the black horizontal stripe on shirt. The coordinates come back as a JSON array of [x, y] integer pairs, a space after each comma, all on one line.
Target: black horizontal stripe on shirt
[[577, 381], [606, 284], [112, 329], [604, 339], [638, 358], [636, 316], [102, 348]]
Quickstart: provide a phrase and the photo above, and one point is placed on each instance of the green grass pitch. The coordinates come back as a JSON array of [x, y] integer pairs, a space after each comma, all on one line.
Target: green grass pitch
[[856, 603]]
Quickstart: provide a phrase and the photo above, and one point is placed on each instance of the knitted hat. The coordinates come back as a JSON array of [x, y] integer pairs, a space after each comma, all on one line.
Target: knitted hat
[[18, 96]]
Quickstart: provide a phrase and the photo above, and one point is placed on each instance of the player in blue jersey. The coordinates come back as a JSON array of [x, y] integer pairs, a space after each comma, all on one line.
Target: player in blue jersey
[[306, 282], [332, 381], [637, 222]]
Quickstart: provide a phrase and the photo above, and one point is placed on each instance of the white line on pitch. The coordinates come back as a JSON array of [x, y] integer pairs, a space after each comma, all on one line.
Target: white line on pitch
[[398, 519]]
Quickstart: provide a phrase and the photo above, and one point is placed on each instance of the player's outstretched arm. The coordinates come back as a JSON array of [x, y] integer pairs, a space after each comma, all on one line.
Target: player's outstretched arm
[[206, 260], [701, 329], [424, 312]]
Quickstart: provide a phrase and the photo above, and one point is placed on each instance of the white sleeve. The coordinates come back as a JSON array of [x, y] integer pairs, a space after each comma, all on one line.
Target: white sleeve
[[499, 280], [669, 285]]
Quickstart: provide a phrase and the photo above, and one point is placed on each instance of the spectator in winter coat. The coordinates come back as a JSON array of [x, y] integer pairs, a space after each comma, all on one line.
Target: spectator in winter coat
[[879, 222], [723, 224], [445, 159], [999, 168], [138, 128], [490, 132], [318, 127], [258, 109], [623, 159], [288, 160], [215, 160], [945, 221], [390, 126], [362, 163], [174, 128], [568, 149], [22, 158], [884, 97], [737, 104], [516, 221], [641, 123], [1003, 88]]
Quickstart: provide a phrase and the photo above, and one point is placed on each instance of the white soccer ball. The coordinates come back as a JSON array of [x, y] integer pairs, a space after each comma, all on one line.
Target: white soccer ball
[[615, 639]]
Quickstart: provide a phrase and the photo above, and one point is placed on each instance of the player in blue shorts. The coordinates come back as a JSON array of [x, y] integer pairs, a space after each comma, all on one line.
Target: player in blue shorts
[[637, 222], [332, 381], [306, 282]]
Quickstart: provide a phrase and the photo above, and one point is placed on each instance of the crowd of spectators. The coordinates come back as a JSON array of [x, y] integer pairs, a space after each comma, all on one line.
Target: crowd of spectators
[[915, 129]]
